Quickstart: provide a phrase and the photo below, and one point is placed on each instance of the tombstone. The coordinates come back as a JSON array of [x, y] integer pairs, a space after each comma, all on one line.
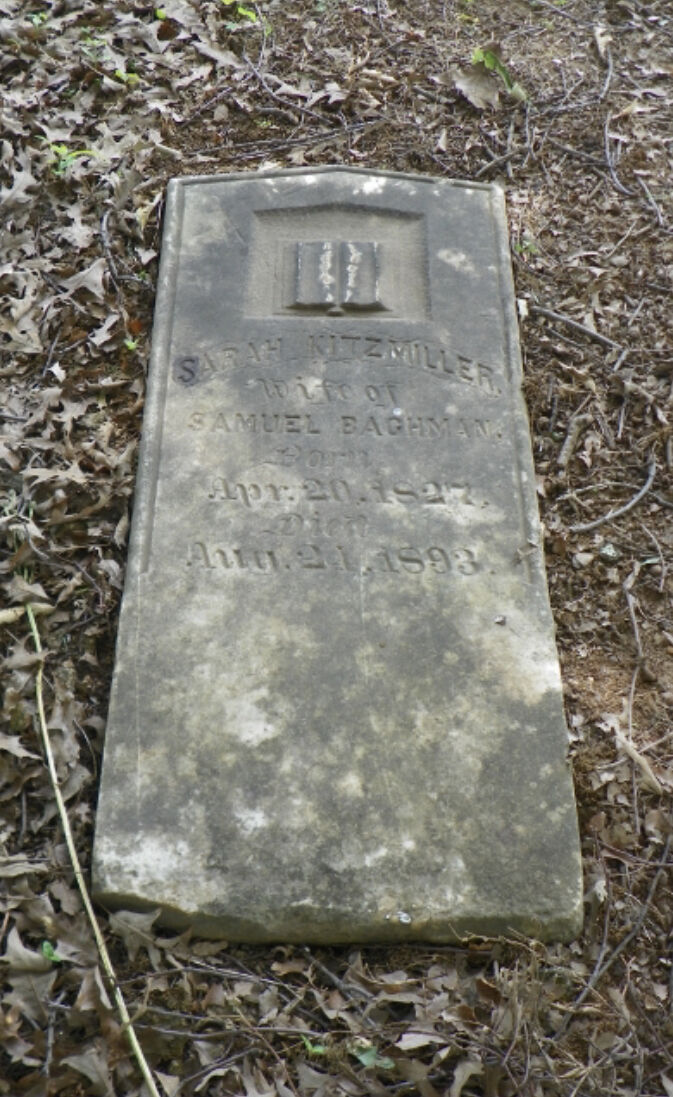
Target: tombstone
[[336, 713]]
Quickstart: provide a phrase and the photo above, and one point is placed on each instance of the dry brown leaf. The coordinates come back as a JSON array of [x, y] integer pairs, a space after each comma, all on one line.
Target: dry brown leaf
[[411, 1040], [18, 958], [13, 745], [413, 1070], [478, 85], [90, 279], [465, 1069], [19, 590], [92, 993], [17, 864], [93, 1064], [135, 929]]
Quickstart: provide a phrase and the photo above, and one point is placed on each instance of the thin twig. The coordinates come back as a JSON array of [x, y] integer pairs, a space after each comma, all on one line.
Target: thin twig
[[79, 875], [575, 427], [653, 204], [627, 586], [578, 153], [49, 1051], [662, 561], [510, 151], [621, 240], [557, 11], [608, 77], [600, 971], [611, 164], [495, 163], [575, 324], [586, 526], [115, 276], [620, 360], [105, 241], [204, 106], [301, 108]]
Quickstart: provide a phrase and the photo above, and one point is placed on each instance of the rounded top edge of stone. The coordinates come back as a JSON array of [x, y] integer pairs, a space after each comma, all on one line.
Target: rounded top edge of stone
[[378, 176]]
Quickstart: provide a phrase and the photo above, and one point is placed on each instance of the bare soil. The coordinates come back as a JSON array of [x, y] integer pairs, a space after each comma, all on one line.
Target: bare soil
[[102, 104]]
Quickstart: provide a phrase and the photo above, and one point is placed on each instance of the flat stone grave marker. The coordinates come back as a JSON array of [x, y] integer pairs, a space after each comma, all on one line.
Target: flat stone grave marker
[[336, 712]]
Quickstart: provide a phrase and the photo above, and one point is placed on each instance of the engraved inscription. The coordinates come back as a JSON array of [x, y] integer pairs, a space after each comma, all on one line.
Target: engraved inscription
[[398, 424], [420, 426], [286, 456], [186, 369], [346, 349], [309, 556], [337, 277], [335, 530], [293, 524], [318, 390], [431, 493], [244, 423]]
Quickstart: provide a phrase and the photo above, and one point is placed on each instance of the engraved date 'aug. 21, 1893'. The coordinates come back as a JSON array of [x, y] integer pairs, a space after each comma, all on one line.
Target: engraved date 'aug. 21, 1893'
[[399, 560]]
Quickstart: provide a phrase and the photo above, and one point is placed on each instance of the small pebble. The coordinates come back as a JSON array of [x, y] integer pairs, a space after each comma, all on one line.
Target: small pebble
[[608, 553], [582, 559]]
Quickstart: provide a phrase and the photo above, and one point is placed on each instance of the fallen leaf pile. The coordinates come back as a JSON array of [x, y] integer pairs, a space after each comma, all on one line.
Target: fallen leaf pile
[[102, 104]]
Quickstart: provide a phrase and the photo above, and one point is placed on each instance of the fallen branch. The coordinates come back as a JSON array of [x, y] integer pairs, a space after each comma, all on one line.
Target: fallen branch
[[561, 319], [586, 526], [79, 875]]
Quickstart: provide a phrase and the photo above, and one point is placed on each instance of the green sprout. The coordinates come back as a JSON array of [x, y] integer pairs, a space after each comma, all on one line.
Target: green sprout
[[492, 62], [246, 14], [131, 344], [160, 13], [37, 18], [526, 247], [93, 46], [48, 950], [131, 79], [467, 16], [63, 158], [313, 1049]]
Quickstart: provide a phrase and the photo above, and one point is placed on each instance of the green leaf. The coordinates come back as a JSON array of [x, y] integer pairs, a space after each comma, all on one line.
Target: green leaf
[[313, 1049], [369, 1057], [245, 13], [48, 950], [492, 62]]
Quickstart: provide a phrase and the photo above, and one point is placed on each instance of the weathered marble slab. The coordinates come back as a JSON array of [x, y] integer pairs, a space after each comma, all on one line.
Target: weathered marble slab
[[336, 713]]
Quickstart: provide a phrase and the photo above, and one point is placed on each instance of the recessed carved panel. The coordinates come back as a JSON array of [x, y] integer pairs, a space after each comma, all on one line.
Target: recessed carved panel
[[339, 261]]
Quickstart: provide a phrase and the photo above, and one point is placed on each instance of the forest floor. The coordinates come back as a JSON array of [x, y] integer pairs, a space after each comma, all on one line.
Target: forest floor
[[102, 104]]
